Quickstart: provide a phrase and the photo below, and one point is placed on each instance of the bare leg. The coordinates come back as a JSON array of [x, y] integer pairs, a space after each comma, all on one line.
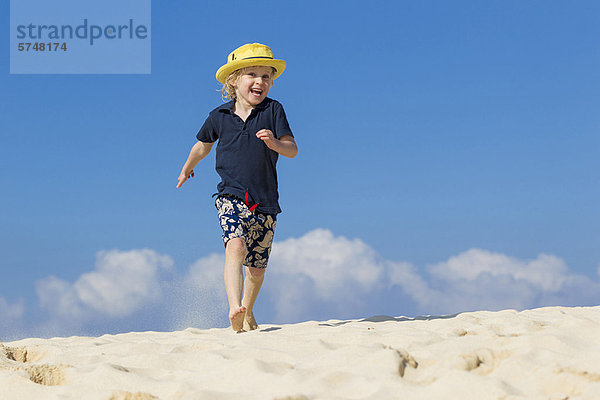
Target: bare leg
[[235, 252], [252, 284]]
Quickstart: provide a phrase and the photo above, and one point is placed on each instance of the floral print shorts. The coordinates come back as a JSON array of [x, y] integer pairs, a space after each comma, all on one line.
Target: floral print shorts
[[256, 228]]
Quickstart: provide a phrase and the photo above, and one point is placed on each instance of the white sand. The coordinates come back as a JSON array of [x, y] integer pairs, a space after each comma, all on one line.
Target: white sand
[[548, 353]]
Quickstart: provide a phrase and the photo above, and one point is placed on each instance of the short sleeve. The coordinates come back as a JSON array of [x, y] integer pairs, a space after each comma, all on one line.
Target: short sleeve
[[207, 134], [282, 127]]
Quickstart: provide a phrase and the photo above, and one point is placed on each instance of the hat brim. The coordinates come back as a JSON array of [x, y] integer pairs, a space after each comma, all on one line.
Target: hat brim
[[225, 70]]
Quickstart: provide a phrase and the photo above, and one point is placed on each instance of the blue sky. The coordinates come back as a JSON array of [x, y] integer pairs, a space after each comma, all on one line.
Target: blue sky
[[450, 147]]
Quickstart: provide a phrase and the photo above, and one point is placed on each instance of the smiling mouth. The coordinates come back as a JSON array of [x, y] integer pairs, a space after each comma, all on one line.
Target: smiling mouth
[[256, 92]]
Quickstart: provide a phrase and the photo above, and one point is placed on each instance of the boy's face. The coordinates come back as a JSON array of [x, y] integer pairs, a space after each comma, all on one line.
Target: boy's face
[[253, 85]]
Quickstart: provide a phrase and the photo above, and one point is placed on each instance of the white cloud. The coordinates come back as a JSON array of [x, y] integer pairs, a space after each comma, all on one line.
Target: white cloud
[[477, 279], [58, 297], [406, 276], [206, 274], [316, 276], [319, 268], [547, 272], [11, 312], [331, 262], [120, 284], [133, 290], [321, 271]]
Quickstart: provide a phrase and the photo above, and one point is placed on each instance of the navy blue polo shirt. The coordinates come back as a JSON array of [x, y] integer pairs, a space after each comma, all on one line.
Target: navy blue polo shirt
[[243, 161]]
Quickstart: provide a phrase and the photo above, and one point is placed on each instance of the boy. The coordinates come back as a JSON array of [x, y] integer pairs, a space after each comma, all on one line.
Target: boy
[[252, 131]]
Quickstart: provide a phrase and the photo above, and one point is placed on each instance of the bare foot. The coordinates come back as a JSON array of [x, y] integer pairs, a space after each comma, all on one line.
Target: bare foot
[[249, 322], [236, 317]]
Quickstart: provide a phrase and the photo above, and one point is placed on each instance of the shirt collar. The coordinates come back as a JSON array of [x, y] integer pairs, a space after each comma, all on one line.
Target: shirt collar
[[228, 107], [263, 104]]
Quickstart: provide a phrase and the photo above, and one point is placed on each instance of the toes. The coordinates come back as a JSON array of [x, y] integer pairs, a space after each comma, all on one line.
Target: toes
[[237, 319]]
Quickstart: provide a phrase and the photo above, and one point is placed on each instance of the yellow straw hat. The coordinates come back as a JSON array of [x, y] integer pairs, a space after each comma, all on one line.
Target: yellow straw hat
[[249, 55]]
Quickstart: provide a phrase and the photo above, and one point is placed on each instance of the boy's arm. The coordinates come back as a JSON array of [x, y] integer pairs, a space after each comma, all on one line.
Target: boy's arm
[[286, 145], [198, 152]]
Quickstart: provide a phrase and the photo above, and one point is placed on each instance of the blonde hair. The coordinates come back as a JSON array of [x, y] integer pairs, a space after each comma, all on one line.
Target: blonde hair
[[228, 90]]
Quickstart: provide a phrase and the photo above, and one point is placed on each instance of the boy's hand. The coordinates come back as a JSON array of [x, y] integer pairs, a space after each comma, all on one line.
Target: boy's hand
[[286, 146], [184, 177], [266, 136]]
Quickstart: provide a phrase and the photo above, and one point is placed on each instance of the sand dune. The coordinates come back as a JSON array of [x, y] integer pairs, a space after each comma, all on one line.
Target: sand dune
[[548, 353]]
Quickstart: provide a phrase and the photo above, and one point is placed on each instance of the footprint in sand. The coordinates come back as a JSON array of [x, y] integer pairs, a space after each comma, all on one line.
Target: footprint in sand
[[590, 376], [481, 361], [46, 374], [18, 354], [404, 360], [42, 374], [132, 396]]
